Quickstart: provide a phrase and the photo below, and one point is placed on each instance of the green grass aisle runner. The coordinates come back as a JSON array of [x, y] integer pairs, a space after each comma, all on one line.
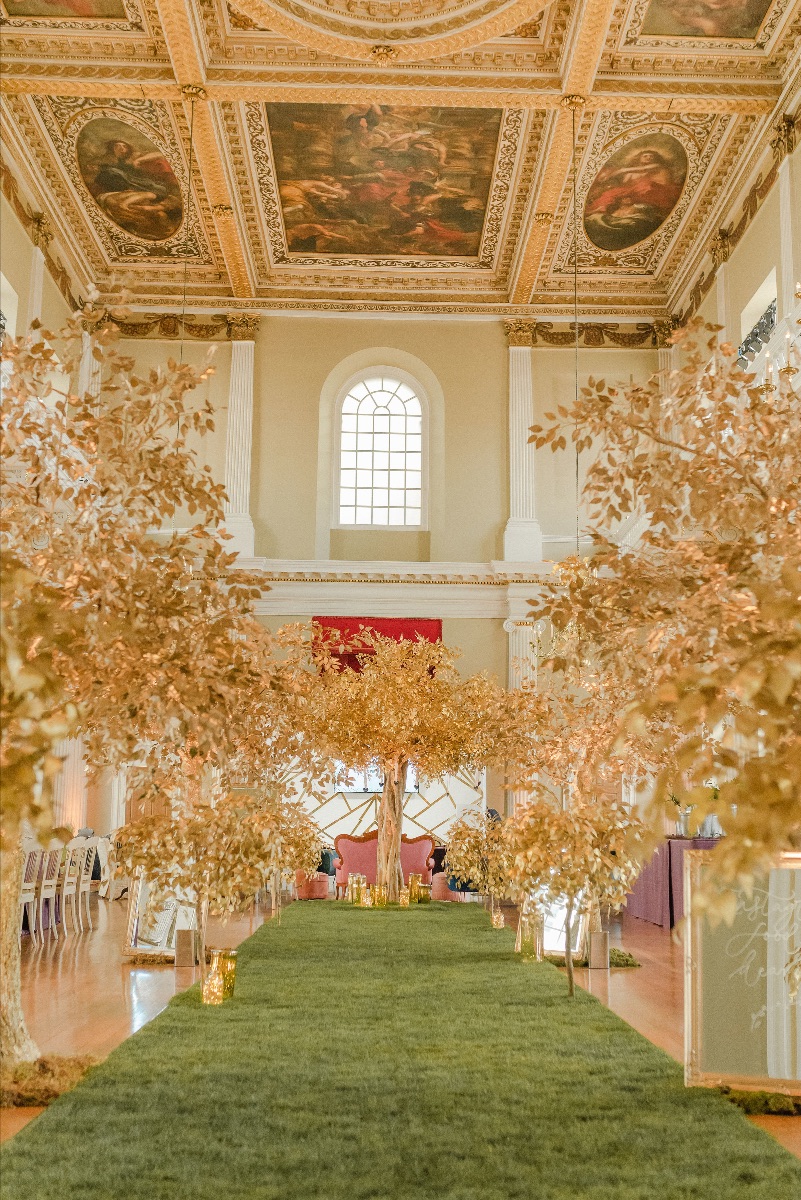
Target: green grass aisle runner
[[395, 1055]]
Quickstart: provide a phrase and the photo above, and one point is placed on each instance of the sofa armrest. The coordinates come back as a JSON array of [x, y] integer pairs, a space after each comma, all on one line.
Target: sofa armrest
[[337, 863]]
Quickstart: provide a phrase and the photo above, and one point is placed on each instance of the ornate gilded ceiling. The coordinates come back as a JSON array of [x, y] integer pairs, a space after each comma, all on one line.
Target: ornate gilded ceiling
[[392, 154]]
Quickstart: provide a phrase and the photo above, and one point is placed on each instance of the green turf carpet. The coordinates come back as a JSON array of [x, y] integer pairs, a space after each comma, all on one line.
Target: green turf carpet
[[392, 1055]]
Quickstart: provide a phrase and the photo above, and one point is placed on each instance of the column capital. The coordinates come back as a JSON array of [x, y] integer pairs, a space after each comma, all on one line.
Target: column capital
[[784, 139], [519, 332], [242, 327], [721, 247], [664, 330]]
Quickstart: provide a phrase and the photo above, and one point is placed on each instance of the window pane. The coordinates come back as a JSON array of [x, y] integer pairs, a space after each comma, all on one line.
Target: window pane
[[381, 438]]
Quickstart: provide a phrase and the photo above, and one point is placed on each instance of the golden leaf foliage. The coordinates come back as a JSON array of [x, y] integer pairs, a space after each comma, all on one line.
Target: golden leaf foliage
[[478, 852], [700, 623]]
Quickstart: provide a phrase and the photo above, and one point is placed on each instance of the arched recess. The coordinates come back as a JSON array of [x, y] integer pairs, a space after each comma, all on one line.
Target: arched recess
[[426, 385]]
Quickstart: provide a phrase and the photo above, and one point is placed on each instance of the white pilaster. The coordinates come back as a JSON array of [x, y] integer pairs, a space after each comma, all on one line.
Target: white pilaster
[[521, 650], [34, 312], [69, 791], [788, 267], [89, 371], [522, 540], [722, 299], [238, 448]]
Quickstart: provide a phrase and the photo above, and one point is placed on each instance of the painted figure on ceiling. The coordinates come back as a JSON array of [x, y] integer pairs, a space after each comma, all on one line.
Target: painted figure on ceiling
[[705, 18], [635, 191]]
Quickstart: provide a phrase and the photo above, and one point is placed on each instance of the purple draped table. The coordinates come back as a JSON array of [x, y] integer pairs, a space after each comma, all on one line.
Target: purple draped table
[[658, 894]]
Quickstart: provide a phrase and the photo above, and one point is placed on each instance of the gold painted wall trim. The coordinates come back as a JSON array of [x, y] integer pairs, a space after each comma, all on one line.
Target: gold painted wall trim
[[522, 332]]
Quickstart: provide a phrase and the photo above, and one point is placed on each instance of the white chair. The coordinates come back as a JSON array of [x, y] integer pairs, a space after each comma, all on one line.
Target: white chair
[[85, 880], [47, 886], [27, 896], [68, 879]]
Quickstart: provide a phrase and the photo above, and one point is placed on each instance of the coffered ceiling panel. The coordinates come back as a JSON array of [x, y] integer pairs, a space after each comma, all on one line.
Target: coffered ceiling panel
[[393, 154]]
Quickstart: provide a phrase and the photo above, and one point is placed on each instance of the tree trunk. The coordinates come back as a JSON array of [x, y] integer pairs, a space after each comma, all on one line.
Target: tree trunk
[[201, 915], [16, 1044], [390, 828], [569, 946]]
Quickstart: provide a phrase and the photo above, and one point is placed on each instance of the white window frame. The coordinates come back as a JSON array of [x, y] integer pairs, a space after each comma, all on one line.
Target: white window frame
[[414, 384]]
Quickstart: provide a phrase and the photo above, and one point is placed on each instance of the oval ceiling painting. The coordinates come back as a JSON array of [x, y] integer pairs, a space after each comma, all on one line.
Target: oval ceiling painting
[[635, 191], [129, 178]]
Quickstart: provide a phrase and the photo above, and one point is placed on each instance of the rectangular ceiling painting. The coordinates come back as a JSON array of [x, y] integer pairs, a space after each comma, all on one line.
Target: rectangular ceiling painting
[[60, 9], [381, 180], [705, 18]]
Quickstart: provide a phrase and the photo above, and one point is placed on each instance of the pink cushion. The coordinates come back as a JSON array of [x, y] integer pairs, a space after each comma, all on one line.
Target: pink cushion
[[357, 856]]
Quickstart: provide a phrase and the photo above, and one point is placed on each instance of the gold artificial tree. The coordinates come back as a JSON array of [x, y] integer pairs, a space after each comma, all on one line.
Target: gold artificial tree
[[135, 639], [699, 621]]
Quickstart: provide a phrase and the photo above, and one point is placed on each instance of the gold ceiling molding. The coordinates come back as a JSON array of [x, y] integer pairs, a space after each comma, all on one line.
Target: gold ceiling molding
[[234, 327], [396, 30], [592, 334], [40, 230], [725, 240]]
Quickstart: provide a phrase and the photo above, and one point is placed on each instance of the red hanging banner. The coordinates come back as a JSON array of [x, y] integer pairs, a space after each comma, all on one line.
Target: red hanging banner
[[397, 628]]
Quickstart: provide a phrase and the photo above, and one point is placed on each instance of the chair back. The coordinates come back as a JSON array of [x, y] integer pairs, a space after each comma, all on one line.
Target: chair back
[[359, 855], [30, 870], [51, 862], [414, 855], [88, 863]]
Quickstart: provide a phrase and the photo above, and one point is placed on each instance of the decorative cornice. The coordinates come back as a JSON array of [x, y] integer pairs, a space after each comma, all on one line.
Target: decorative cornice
[[592, 334], [721, 247], [664, 330], [38, 227], [235, 327]]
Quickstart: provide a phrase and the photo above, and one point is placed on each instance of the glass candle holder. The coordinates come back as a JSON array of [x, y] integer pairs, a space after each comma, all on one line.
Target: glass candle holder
[[531, 933], [498, 919], [414, 884], [424, 893], [403, 897], [380, 896], [227, 968], [366, 900], [213, 988], [351, 889]]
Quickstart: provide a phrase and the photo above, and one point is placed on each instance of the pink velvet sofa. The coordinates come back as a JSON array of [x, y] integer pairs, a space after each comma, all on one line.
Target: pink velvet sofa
[[357, 855]]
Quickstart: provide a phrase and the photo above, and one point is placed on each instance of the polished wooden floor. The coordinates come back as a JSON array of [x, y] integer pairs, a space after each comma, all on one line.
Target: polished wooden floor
[[80, 997]]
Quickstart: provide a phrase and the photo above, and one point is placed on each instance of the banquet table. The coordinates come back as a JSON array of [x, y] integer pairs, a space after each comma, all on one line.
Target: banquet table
[[658, 894]]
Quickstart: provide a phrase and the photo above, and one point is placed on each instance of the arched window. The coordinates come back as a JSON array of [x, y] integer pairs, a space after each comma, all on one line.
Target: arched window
[[381, 479]]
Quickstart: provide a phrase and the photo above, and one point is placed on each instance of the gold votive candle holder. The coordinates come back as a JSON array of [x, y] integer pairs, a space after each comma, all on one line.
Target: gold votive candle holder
[[227, 968], [403, 897], [212, 990], [380, 895], [424, 893], [498, 919], [414, 884], [366, 900]]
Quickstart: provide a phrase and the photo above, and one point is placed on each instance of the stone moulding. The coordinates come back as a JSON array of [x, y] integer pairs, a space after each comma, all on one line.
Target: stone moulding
[[522, 332]]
